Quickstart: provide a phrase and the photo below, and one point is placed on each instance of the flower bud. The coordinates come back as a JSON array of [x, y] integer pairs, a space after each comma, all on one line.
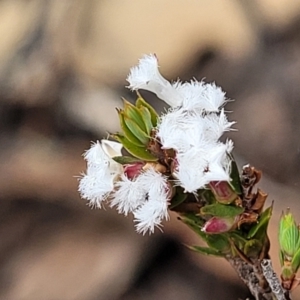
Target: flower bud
[[288, 236], [217, 225], [289, 241], [223, 192], [133, 170]]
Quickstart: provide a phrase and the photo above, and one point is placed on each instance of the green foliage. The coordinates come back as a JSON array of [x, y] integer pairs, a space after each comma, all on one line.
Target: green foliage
[[235, 177], [206, 251], [127, 132], [137, 131], [146, 116], [140, 102], [259, 229], [220, 210], [131, 112], [138, 152], [126, 160], [178, 198], [288, 234]]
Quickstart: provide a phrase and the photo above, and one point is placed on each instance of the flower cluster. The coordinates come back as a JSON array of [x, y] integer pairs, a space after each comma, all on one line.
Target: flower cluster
[[181, 148]]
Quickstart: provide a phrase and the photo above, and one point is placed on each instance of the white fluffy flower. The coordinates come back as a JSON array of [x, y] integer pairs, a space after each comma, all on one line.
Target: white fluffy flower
[[128, 196], [192, 127], [102, 171], [216, 124], [146, 76], [180, 129], [214, 97], [192, 95], [146, 196], [198, 166], [155, 208]]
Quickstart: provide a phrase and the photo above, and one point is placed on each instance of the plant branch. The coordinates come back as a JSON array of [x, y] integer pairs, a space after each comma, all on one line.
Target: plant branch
[[273, 280], [252, 275]]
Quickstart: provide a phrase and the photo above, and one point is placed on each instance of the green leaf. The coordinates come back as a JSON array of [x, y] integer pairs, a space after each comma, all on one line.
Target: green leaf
[[193, 222], [252, 248], [126, 160], [145, 113], [179, 197], [219, 242], [288, 234], [205, 250], [221, 210], [140, 102], [260, 228], [296, 261], [237, 239], [281, 258], [207, 195], [137, 152], [133, 113], [126, 131], [235, 177], [137, 131]]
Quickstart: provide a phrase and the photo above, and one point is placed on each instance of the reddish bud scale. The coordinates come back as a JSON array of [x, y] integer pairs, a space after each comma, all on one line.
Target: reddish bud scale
[[133, 170], [223, 192], [217, 225]]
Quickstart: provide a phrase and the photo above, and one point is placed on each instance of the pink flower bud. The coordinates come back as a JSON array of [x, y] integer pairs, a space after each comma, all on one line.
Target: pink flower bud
[[133, 170], [223, 191], [217, 225]]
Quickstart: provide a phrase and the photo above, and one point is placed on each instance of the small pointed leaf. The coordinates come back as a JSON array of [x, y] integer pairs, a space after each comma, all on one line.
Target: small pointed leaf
[[140, 102], [126, 131], [134, 114], [138, 152], [193, 222], [219, 242], [237, 239], [206, 251], [136, 130], [126, 160], [207, 195], [262, 225], [220, 210], [252, 248], [235, 177], [145, 113], [296, 261], [179, 197]]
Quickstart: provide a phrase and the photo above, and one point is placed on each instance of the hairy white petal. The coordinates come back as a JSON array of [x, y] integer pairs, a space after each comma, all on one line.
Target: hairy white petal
[[150, 215], [216, 125], [155, 208], [198, 166], [180, 129], [219, 162], [95, 188], [96, 155], [102, 172], [128, 196], [147, 76], [214, 98], [190, 171], [192, 95]]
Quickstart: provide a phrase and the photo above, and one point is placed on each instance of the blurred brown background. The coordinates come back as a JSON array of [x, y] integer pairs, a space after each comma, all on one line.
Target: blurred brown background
[[63, 66]]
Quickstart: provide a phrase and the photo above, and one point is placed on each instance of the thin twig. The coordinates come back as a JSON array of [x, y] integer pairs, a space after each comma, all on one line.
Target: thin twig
[[273, 280]]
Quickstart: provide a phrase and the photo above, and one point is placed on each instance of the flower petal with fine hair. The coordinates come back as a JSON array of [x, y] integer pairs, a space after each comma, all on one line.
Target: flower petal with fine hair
[[146, 76], [155, 208], [102, 172]]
